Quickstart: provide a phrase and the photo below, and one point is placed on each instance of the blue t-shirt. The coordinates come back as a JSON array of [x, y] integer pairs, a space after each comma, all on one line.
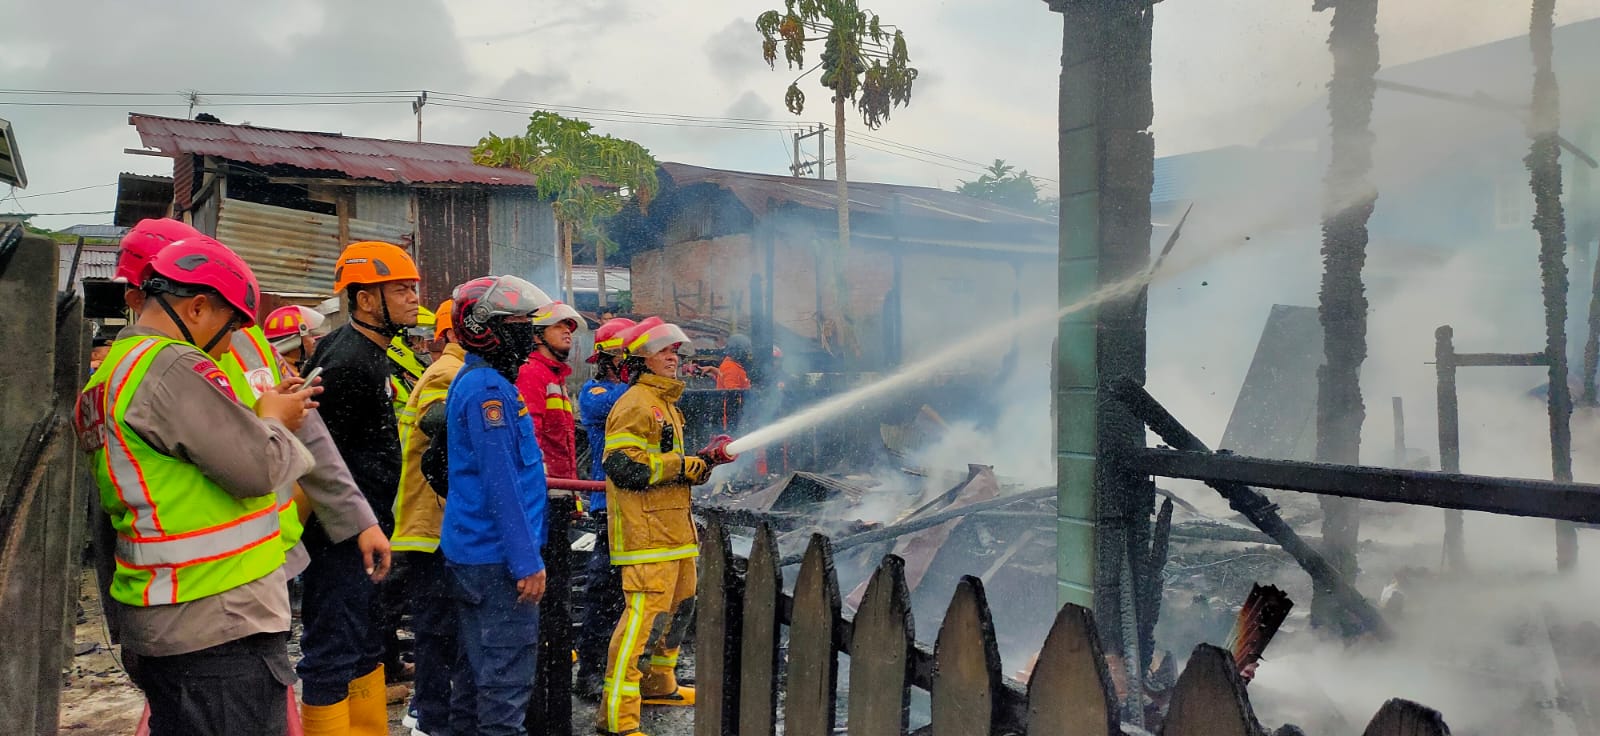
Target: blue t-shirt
[[594, 404], [497, 483]]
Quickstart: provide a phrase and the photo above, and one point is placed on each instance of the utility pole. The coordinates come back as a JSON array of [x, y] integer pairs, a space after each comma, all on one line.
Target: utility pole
[[798, 167], [416, 109]]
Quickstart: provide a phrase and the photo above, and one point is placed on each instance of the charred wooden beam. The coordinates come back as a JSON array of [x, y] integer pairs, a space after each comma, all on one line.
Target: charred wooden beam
[[1444, 352], [1550, 222], [1543, 499], [1501, 360], [1359, 614], [1347, 204], [932, 520]]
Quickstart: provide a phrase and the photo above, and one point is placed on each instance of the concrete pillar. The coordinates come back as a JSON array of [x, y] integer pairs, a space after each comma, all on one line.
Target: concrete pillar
[[1107, 160]]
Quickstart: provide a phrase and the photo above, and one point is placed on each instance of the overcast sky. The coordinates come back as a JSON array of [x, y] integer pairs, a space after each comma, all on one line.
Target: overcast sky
[[1225, 72]]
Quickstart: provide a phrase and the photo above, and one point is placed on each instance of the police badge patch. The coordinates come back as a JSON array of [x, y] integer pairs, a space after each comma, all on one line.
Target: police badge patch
[[214, 375]]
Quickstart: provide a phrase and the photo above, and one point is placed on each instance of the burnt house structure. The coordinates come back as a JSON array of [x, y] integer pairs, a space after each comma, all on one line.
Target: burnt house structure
[[288, 201], [734, 248]]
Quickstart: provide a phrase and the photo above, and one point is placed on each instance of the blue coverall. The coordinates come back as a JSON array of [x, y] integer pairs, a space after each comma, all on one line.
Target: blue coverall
[[602, 604], [493, 529]]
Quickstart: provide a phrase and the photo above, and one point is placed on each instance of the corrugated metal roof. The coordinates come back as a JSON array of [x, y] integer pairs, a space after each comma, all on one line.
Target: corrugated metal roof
[[754, 191], [96, 263], [586, 278], [291, 251], [361, 158], [96, 231]]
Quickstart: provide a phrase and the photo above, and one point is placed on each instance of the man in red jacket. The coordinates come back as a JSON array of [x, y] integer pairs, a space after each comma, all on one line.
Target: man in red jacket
[[543, 385], [542, 381]]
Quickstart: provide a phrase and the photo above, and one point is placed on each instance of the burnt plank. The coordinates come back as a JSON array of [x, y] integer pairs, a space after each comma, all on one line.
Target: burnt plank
[[1404, 718], [716, 643], [1070, 689], [966, 665], [880, 672], [812, 686], [758, 653], [1209, 699], [1579, 502]]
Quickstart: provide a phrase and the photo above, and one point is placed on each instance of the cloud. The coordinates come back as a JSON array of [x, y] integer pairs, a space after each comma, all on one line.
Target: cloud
[[730, 51], [750, 106]]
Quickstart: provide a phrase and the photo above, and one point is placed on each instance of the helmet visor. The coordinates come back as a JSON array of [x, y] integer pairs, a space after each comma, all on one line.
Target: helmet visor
[[659, 338], [511, 297]]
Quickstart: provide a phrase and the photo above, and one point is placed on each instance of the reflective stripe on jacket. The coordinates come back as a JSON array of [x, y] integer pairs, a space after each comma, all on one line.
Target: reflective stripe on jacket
[[542, 381], [647, 497], [252, 367], [180, 536], [418, 510]]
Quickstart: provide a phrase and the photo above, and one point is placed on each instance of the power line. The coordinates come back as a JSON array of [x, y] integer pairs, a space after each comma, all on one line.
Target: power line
[[67, 191], [55, 214]]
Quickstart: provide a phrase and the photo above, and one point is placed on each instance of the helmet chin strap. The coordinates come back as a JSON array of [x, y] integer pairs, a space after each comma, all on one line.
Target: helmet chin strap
[[539, 342], [184, 328]]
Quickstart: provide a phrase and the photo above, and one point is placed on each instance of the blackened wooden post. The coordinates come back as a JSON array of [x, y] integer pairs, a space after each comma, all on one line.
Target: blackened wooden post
[[1444, 363], [716, 644], [880, 646], [811, 689], [1209, 699], [1550, 221], [758, 652], [1070, 690], [1405, 718], [1106, 155], [1347, 203], [966, 665], [550, 707]]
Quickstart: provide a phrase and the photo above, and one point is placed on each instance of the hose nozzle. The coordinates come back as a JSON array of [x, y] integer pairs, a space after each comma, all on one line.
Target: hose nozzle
[[717, 453]]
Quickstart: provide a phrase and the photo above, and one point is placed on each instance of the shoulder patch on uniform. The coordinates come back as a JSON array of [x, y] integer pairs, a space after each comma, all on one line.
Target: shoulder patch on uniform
[[214, 375], [598, 390], [494, 413], [657, 411]]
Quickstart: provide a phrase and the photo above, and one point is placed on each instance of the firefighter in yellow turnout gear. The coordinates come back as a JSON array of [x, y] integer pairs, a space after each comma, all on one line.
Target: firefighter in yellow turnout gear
[[648, 475]]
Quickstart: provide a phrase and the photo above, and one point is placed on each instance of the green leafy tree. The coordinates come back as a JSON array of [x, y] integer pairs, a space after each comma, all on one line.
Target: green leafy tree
[[1003, 184], [864, 62], [587, 176]]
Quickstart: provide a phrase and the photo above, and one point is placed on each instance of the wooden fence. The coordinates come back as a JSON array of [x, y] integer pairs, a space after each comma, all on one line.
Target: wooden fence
[[739, 663]]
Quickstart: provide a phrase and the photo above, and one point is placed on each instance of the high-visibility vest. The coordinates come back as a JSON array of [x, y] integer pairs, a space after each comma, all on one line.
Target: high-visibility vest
[[252, 367], [401, 386], [180, 536]]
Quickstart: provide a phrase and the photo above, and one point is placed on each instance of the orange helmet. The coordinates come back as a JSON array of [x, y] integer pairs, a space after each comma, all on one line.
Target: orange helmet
[[372, 262], [442, 319], [286, 326]]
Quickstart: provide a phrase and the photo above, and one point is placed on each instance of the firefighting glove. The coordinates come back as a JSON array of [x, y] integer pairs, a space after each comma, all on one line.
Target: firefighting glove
[[696, 470]]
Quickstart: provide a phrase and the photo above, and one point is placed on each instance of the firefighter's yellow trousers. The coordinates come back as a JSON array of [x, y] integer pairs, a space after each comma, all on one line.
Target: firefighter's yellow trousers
[[658, 600]]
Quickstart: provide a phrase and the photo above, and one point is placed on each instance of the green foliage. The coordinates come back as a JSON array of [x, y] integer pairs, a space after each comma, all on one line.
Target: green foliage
[[588, 176], [1004, 185], [863, 60]]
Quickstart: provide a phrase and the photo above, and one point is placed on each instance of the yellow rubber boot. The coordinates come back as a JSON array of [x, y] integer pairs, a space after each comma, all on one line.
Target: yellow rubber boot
[[326, 720], [369, 705], [681, 696]]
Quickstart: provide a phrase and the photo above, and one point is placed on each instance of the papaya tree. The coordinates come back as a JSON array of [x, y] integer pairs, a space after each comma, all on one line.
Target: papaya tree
[[588, 177], [863, 62]]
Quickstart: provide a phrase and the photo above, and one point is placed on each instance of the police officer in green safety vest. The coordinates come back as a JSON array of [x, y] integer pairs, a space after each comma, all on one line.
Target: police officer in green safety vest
[[193, 482], [252, 366]]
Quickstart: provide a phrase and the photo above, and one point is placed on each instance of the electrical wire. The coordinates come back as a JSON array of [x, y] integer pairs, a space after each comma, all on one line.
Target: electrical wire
[[67, 191]]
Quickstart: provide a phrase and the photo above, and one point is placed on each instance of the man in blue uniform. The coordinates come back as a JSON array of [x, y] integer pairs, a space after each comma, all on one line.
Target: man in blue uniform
[[602, 604], [494, 524]]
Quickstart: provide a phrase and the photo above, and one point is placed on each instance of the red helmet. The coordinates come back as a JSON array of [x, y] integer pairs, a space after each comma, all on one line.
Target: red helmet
[[480, 300], [291, 321], [654, 335], [608, 337], [143, 242], [196, 263]]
